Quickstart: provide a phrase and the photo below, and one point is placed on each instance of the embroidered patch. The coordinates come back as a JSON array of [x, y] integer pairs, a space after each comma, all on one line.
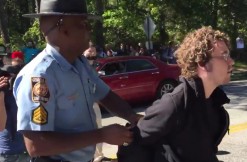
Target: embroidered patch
[[40, 91], [40, 115]]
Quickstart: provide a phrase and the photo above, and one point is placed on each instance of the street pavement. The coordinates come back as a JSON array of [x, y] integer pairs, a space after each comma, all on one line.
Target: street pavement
[[233, 147]]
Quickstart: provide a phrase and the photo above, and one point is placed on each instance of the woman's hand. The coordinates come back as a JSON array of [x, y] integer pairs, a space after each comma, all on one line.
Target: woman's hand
[[4, 81]]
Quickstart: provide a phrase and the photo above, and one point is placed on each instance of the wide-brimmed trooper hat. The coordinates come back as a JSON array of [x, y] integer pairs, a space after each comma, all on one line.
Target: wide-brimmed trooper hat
[[62, 8]]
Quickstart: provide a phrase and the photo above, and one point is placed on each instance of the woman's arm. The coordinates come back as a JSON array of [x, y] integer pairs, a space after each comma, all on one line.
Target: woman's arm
[[3, 115]]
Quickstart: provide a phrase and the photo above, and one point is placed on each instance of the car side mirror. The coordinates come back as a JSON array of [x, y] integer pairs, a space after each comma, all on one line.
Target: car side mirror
[[101, 72]]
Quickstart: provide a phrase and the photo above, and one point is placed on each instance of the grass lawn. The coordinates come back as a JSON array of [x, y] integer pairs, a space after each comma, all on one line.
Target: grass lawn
[[240, 71], [241, 65]]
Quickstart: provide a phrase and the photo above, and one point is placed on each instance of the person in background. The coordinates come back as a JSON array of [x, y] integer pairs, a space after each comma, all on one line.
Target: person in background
[[240, 47], [133, 51], [194, 110], [100, 52], [109, 51], [139, 45], [30, 51], [143, 52], [17, 58], [167, 54], [98, 155], [13, 62], [90, 53], [55, 92], [3, 83], [3, 52], [122, 51], [12, 148]]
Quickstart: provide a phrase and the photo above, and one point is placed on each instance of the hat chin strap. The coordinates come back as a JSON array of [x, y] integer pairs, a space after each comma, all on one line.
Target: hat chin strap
[[58, 24]]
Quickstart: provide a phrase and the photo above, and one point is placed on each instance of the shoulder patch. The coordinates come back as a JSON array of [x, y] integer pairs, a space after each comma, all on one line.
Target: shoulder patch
[[40, 115], [40, 91]]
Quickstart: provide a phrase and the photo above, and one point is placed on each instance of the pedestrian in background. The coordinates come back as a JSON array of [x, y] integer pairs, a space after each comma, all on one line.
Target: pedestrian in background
[[17, 58], [133, 51], [100, 52], [90, 54], [30, 51], [122, 51], [109, 51], [12, 148], [188, 124], [143, 51], [55, 92], [167, 54], [240, 47]]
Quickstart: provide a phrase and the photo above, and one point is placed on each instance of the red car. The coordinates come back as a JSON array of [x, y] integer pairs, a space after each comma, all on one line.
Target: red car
[[137, 79]]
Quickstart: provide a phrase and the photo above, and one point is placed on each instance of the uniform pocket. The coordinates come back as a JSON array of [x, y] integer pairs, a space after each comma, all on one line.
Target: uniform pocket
[[65, 103], [91, 87]]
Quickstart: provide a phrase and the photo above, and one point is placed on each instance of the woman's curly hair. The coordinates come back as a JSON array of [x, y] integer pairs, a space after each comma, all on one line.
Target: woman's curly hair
[[196, 48]]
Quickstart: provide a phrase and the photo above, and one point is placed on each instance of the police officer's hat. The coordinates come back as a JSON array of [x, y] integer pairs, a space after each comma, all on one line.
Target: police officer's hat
[[62, 8]]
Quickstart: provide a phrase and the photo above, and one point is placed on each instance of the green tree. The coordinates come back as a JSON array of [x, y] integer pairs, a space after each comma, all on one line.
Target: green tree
[[4, 23], [123, 19]]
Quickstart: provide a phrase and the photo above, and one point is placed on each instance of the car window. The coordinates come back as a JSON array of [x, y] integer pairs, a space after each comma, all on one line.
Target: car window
[[138, 65], [96, 64], [114, 68]]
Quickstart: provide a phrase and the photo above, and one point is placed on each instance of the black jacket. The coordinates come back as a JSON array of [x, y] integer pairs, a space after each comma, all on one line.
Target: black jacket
[[182, 126]]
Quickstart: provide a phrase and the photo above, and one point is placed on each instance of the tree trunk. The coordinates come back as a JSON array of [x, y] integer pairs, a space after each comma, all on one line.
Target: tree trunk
[[100, 41], [215, 6], [163, 36], [24, 23], [4, 23]]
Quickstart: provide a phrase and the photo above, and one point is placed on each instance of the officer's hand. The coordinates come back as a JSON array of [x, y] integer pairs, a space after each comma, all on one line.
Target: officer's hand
[[134, 118], [116, 134]]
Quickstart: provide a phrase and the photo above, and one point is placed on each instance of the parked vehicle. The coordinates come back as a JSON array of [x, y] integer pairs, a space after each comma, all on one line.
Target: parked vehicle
[[137, 79]]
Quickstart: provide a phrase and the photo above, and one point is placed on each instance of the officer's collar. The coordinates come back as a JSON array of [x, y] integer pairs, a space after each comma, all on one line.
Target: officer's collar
[[63, 63]]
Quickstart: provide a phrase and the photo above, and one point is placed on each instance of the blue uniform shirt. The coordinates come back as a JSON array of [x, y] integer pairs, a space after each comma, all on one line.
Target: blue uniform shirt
[[54, 95]]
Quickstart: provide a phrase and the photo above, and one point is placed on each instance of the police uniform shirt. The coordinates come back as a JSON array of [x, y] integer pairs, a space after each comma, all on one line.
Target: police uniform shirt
[[54, 95]]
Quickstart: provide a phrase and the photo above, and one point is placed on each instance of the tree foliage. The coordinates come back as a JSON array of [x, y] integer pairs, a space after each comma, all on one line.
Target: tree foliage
[[123, 19]]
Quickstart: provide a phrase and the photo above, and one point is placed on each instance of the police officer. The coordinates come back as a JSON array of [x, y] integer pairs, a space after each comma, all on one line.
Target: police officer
[[55, 92]]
